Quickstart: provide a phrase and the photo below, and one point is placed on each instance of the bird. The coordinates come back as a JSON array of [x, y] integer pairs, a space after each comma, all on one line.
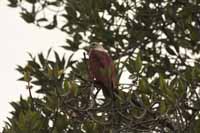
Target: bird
[[102, 70]]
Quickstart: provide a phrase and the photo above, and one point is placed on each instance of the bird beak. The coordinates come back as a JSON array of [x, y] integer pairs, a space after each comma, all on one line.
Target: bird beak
[[87, 48]]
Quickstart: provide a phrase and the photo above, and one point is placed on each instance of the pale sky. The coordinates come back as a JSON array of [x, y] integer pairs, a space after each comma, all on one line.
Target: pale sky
[[16, 39]]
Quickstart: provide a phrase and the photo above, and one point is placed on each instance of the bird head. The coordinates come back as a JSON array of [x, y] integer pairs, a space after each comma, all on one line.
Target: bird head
[[98, 46]]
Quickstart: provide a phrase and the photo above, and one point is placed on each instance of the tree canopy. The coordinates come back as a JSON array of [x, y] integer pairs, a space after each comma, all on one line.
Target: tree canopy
[[155, 42]]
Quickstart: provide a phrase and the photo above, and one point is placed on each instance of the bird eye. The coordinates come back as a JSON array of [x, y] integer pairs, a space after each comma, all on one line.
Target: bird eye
[[93, 44]]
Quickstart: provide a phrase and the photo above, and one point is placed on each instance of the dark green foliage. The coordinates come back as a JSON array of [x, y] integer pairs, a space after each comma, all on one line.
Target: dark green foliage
[[13, 3], [155, 42], [25, 119]]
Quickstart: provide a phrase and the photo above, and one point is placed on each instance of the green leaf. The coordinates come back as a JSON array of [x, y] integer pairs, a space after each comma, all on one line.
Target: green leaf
[[70, 62], [41, 59], [73, 87], [143, 86], [13, 3], [33, 64], [66, 86], [20, 69], [50, 72], [163, 107], [48, 53], [194, 33], [145, 99], [77, 37], [71, 45], [138, 63], [58, 61], [170, 50], [167, 92], [90, 127], [61, 123], [27, 76], [181, 87], [32, 1], [197, 126], [42, 20], [28, 17], [53, 24], [129, 66], [163, 84], [15, 106]]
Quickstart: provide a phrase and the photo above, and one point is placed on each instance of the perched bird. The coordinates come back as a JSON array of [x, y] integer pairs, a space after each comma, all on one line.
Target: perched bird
[[102, 70]]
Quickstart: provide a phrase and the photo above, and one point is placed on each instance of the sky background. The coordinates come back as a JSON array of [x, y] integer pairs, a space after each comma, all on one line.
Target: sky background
[[16, 39]]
